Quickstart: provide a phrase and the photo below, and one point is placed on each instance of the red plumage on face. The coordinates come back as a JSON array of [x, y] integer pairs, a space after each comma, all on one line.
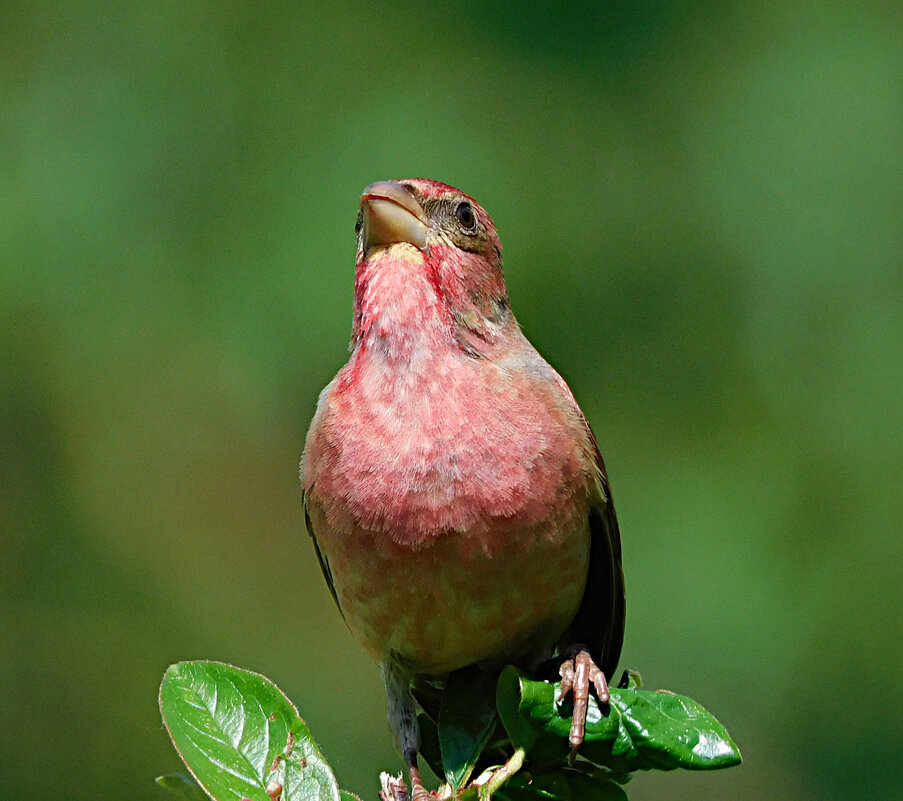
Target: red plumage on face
[[464, 269], [428, 188]]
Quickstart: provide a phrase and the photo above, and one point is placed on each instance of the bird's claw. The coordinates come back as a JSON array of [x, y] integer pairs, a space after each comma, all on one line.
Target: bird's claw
[[576, 676]]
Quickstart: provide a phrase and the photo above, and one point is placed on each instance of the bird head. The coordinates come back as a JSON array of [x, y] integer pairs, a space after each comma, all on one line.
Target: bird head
[[424, 241]]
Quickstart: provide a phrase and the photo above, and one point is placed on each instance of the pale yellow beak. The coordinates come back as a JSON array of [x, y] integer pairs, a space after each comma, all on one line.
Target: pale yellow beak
[[392, 215]]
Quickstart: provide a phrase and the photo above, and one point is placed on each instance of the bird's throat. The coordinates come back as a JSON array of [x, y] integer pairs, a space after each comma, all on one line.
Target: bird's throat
[[398, 305]]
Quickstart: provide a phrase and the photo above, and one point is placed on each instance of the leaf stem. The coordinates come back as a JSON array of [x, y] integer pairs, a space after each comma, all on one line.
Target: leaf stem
[[499, 777]]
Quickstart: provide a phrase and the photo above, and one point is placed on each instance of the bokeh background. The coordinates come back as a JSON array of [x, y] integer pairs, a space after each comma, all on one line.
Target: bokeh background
[[702, 211]]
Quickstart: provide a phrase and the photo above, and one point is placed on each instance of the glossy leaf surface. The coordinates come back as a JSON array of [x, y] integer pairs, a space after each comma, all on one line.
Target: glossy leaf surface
[[237, 733], [638, 730]]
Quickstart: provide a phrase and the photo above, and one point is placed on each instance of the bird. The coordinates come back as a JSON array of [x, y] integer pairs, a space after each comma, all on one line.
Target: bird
[[455, 494]]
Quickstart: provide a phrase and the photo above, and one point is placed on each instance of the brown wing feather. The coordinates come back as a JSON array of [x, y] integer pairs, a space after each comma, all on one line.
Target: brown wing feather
[[599, 623], [324, 563]]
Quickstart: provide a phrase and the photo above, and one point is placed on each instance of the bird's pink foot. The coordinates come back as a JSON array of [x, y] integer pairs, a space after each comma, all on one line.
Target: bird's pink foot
[[418, 791], [576, 676]]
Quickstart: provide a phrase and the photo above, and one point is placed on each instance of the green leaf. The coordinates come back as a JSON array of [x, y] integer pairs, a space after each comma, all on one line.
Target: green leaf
[[182, 786], [238, 733], [467, 720], [632, 680], [563, 784], [509, 703], [637, 730], [429, 743]]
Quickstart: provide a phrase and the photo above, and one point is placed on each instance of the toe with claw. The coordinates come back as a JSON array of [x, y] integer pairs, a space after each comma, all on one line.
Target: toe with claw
[[576, 676]]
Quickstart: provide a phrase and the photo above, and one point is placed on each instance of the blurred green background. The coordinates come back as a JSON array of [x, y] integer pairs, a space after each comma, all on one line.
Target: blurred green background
[[702, 211]]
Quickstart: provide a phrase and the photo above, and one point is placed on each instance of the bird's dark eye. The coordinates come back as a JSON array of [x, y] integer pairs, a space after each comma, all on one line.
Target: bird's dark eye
[[465, 216]]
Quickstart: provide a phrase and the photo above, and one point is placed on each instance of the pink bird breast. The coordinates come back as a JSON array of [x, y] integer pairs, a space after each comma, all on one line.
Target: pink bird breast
[[449, 494]]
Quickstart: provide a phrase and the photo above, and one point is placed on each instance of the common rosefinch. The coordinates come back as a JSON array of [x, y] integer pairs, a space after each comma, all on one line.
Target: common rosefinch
[[455, 493]]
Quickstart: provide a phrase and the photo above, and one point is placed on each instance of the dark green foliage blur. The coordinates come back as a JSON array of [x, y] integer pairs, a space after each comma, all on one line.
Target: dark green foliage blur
[[702, 212]]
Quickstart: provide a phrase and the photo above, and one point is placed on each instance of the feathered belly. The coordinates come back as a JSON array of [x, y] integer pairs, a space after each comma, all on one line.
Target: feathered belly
[[452, 512], [458, 599]]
